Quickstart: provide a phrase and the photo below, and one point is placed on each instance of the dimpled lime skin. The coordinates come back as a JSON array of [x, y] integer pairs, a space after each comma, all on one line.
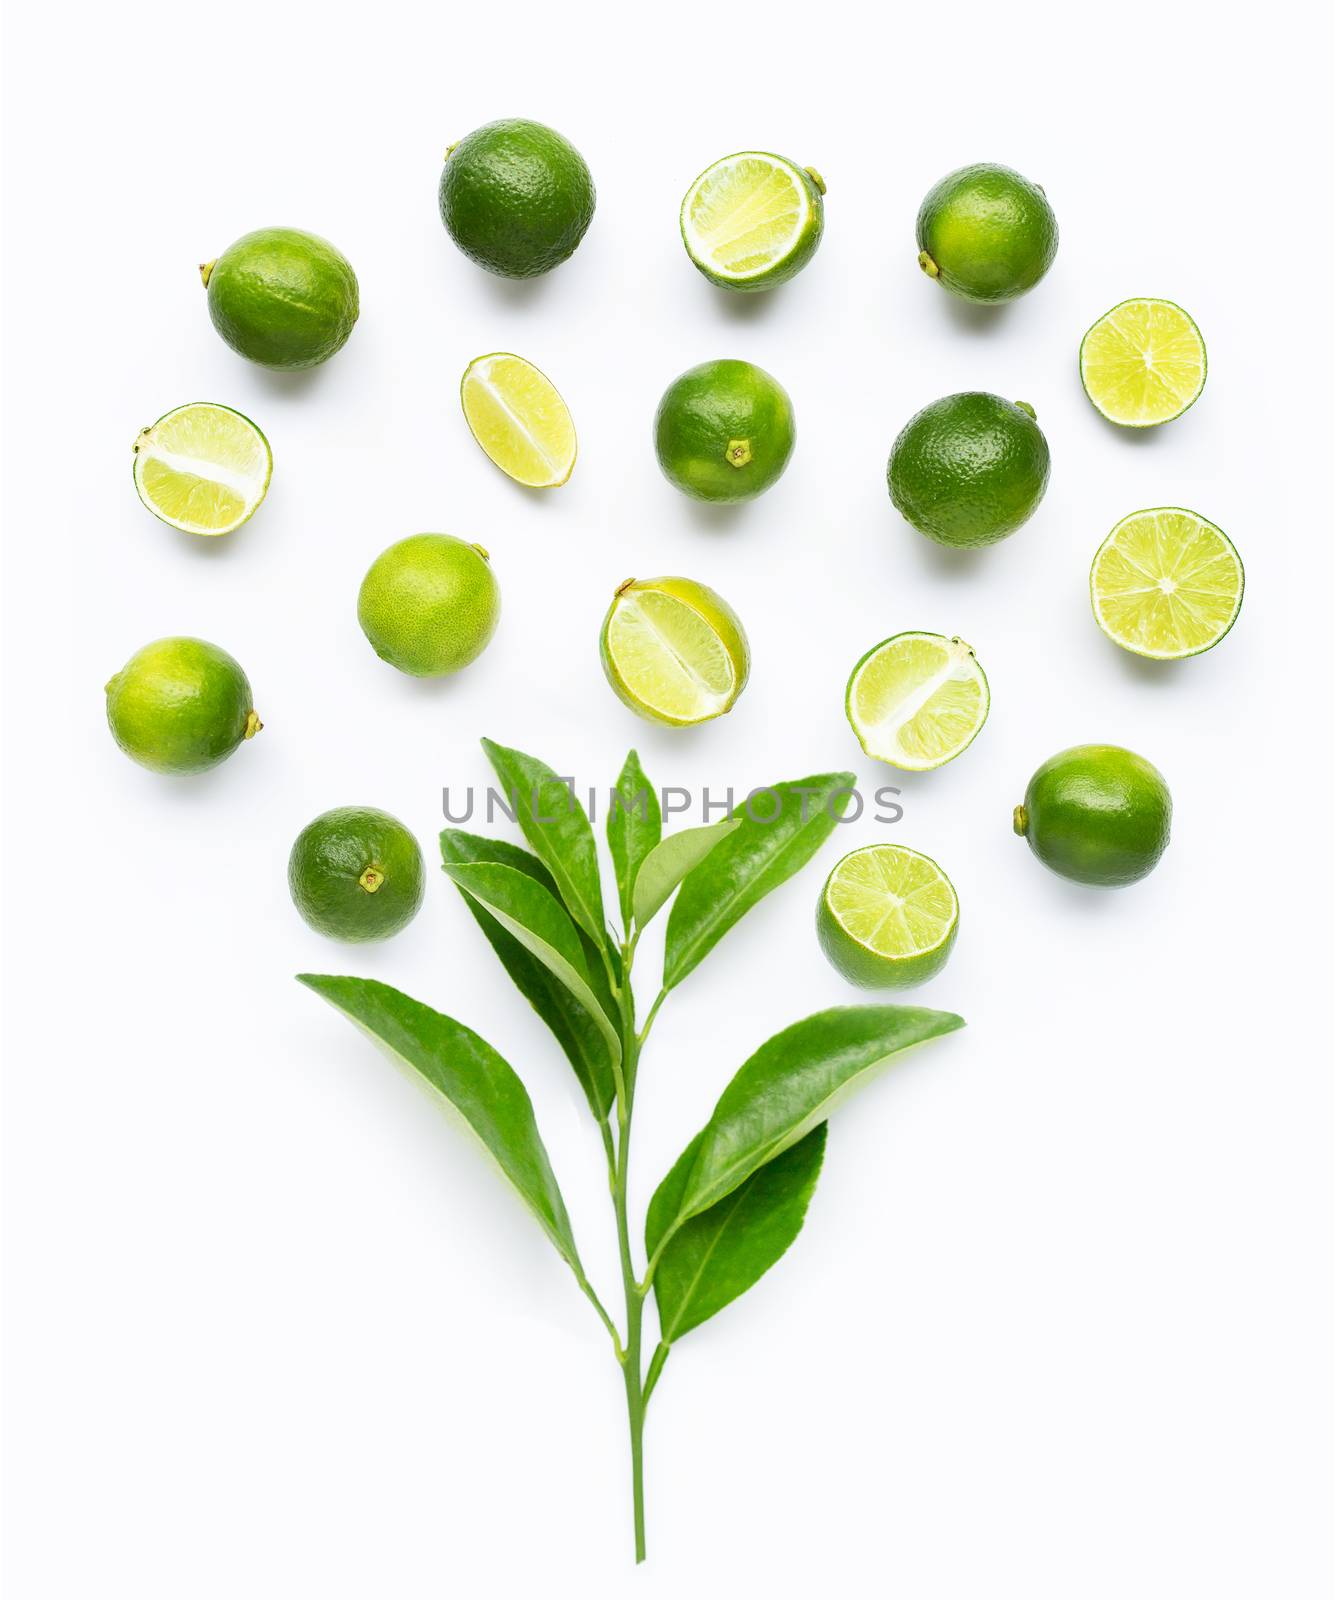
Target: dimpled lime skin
[[516, 197], [180, 705], [865, 968], [356, 874], [969, 469], [429, 604], [719, 414], [283, 298], [990, 233], [1097, 814]]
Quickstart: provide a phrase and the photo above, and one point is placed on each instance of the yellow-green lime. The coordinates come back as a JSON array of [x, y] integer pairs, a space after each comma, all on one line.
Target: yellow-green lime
[[283, 298], [724, 431], [752, 220], [887, 917], [986, 233], [180, 705], [429, 604], [1143, 363], [356, 873], [1097, 813], [674, 650], [917, 700], [203, 468], [1166, 584], [519, 419]]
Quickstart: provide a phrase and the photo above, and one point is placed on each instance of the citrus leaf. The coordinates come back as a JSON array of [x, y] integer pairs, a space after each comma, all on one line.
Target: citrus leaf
[[469, 1073], [669, 863], [719, 1254], [757, 857], [633, 827]]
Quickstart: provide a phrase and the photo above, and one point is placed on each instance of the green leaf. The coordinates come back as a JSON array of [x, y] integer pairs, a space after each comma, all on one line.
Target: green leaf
[[633, 827], [714, 1257], [670, 862], [789, 1085], [469, 1073], [579, 1035], [752, 861], [555, 824]]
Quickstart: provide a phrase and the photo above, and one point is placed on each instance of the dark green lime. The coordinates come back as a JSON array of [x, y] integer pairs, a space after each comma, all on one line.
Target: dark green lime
[[516, 197], [724, 431], [356, 873], [283, 298], [986, 233], [1097, 814], [180, 705]]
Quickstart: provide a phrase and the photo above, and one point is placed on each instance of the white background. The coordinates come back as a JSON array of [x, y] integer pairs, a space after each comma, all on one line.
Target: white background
[[1059, 1321]]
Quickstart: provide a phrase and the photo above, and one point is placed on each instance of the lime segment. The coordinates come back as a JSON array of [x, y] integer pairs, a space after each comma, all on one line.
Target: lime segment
[[1143, 363], [887, 917], [752, 220], [917, 700], [674, 651], [1166, 584], [519, 419], [202, 468]]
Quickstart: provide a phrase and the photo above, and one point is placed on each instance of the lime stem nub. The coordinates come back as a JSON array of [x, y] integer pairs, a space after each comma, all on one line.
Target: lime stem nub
[[623, 587], [738, 452], [817, 179], [1023, 405], [1020, 821], [928, 264], [372, 879], [253, 725], [206, 268], [482, 552]]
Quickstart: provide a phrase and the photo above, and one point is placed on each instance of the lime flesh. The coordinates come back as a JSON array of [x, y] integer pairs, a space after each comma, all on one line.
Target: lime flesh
[[356, 874], [519, 419], [674, 651], [752, 220], [917, 700], [1143, 363], [1166, 584], [887, 917], [203, 468]]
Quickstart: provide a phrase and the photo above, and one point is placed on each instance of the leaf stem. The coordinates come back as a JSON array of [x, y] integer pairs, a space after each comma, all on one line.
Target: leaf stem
[[587, 1289], [656, 1366], [634, 1295]]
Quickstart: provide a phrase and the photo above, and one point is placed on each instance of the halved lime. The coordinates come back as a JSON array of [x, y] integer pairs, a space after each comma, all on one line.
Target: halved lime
[[674, 651], [519, 419], [752, 220], [1143, 363], [202, 468], [887, 917], [1167, 584], [916, 700]]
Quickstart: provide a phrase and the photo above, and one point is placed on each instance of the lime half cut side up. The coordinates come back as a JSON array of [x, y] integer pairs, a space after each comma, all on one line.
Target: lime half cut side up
[[202, 468], [1143, 363], [887, 917], [752, 220], [674, 651], [519, 419], [917, 700], [1166, 584]]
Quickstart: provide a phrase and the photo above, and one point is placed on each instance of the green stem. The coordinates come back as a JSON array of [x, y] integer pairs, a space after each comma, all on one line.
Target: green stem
[[656, 1366], [635, 1298]]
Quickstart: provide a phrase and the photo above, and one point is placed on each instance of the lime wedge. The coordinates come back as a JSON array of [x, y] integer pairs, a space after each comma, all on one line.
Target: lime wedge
[[1143, 363], [519, 419], [752, 220], [674, 651], [916, 700], [887, 917], [202, 468], [1166, 584]]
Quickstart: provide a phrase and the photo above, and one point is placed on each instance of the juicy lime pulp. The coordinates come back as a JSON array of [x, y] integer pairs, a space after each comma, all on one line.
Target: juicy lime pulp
[[674, 650], [1097, 814], [1166, 584], [887, 917], [429, 604], [283, 298], [203, 468], [724, 431], [356, 873], [519, 419], [752, 220], [917, 700], [180, 705], [1143, 363], [986, 233]]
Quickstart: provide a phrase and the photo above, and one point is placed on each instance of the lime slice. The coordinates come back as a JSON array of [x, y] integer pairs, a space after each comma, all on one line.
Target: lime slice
[[1166, 584], [1143, 363], [917, 700], [674, 651], [202, 468], [752, 220], [887, 917], [519, 419]]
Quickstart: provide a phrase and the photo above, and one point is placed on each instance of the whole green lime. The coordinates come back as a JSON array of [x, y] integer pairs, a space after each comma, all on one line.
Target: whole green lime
[[1097, 814], [986, 233], [516, 197], [724, 431], [969, 469], [429, 604], [356, 873], [284, 298], [180, 705]]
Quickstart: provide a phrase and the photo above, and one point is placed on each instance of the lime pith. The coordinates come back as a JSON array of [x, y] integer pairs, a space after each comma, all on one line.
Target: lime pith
[[917, 700], [202, 468], [1143, 363], [1166, 584], [887, 917], [674, 651], [519, 419], [752, 220]]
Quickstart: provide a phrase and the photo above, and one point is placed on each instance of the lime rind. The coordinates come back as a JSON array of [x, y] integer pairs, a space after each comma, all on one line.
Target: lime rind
[[1144, 363], [1166, 584], [917, 700], [202, 468], [752, 220], [519, 420]]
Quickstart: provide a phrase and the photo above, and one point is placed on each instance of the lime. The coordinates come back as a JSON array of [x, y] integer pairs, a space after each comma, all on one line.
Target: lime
[[356, 873], [969, 469], [516, 197], [180, 705], [202, 468], [724, 431], [752, 220], [986, 233], [887, 917], [916, 700], [429, 604], [1166, 584], [282, 297], [674, 651], [1097, 814], [519, 419], [1143, 363]]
